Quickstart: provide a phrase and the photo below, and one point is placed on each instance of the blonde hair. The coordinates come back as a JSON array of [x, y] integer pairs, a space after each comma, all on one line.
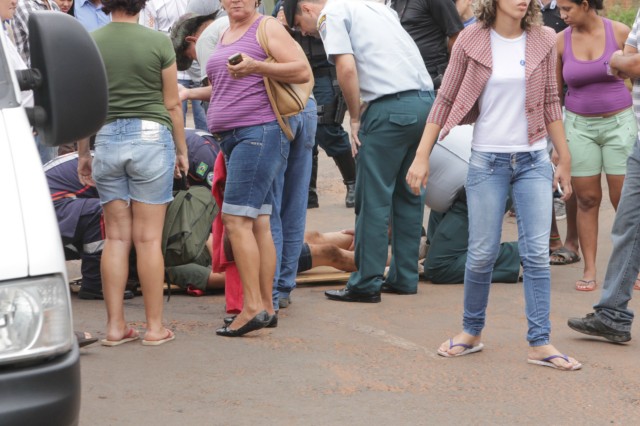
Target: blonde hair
[[485, 11]]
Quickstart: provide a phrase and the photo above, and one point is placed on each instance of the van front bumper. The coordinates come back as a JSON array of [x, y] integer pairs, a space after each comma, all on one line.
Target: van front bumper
[[47, 393]]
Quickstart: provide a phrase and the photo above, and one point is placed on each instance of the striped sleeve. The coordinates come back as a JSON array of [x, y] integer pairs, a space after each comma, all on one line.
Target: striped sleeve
[[451, 83], [552, 110], [632, 39]]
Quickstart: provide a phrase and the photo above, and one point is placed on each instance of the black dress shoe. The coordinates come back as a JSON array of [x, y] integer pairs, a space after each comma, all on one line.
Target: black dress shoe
[[386, 288], [273, 320], [256, 323], [89, 294], [592, 326], [346, 295]]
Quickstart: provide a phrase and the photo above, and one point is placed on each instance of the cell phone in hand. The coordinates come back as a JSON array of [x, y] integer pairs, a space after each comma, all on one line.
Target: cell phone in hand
[[235, 59], [558, 193]]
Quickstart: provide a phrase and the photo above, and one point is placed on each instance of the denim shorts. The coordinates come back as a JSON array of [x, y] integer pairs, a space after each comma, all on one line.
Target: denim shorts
[[254, 156], [134, 160]]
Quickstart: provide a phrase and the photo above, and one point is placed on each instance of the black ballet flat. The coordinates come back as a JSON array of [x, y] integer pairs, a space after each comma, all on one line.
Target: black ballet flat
[[273, 320], [228, 320], [256, 323]]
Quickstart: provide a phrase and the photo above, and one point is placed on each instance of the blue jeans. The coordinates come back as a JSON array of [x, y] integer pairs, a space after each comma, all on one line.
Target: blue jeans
[[530, 177], [47, 153], [624, 262], [197, 108], [290, 190]]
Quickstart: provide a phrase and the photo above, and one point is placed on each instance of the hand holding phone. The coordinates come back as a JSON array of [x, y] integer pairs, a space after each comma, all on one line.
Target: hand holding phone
[[558, 193], [235, 59]]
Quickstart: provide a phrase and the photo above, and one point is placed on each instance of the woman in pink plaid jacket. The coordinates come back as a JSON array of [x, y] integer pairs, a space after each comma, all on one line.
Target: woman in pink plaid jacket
[[501, 77]]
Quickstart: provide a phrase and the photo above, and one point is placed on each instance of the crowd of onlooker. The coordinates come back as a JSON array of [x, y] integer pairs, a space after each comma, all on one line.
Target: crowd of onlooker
[[550, 113]]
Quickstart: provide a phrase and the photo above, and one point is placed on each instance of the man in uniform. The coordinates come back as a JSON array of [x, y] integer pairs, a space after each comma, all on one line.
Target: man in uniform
[[79, 215], [551, 15], [203, 150], [330, 135], [384, 68], [448, 240]]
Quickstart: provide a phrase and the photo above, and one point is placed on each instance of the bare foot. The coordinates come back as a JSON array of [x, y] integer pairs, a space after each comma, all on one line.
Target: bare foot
[[460, 343], [546, 354]]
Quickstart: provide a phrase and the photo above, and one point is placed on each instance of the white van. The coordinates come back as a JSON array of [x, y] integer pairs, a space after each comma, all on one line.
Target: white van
[[39, 357]]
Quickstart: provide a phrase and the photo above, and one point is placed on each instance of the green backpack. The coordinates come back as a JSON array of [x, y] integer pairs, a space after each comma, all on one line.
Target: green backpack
[[187, 225]]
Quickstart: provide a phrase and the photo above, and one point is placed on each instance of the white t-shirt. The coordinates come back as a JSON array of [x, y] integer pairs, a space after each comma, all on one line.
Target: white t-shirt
[[502, 124], [18, 64], [161, 15]]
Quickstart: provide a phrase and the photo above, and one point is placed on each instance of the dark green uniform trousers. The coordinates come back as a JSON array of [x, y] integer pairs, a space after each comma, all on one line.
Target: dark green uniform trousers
[[390, 132], [448, 237], [196, 273]]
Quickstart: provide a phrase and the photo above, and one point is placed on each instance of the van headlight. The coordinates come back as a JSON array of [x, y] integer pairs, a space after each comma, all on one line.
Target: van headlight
[[35, 318]]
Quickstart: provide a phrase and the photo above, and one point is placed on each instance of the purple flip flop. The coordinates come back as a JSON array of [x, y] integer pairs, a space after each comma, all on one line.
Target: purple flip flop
[[546, 362], [468, 349]]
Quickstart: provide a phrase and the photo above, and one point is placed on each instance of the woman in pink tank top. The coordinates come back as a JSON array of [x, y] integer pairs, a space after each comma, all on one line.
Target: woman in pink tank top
[[600, 125]]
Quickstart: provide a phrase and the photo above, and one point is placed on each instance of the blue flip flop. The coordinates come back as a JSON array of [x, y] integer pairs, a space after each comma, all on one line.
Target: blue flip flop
[[468, 349]]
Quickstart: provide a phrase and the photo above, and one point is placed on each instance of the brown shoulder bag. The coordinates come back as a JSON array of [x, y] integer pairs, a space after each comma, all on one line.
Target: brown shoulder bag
[[286, 99]]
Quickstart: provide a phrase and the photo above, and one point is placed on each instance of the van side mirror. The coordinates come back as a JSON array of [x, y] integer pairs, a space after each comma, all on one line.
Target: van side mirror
[[72, 98]]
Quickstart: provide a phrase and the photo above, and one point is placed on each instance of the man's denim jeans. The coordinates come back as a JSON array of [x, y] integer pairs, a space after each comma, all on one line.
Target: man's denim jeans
[[197, 108], [290, 192], [47, 153], [624, 262], [490, 177]]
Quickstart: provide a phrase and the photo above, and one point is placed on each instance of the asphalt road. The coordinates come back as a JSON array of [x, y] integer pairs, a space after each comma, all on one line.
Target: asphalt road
[[333, 363]]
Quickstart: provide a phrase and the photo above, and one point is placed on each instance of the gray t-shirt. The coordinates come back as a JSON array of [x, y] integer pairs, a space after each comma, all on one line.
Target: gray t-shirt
[[203, 7], [208, 41]]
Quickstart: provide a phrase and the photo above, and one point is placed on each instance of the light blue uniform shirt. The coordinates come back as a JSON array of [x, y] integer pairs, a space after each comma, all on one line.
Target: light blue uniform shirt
[[89, 15], [387, 59]]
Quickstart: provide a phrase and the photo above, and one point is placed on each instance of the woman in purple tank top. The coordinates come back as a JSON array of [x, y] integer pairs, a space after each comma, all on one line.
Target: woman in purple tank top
[[242, 120], [600, 125]]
